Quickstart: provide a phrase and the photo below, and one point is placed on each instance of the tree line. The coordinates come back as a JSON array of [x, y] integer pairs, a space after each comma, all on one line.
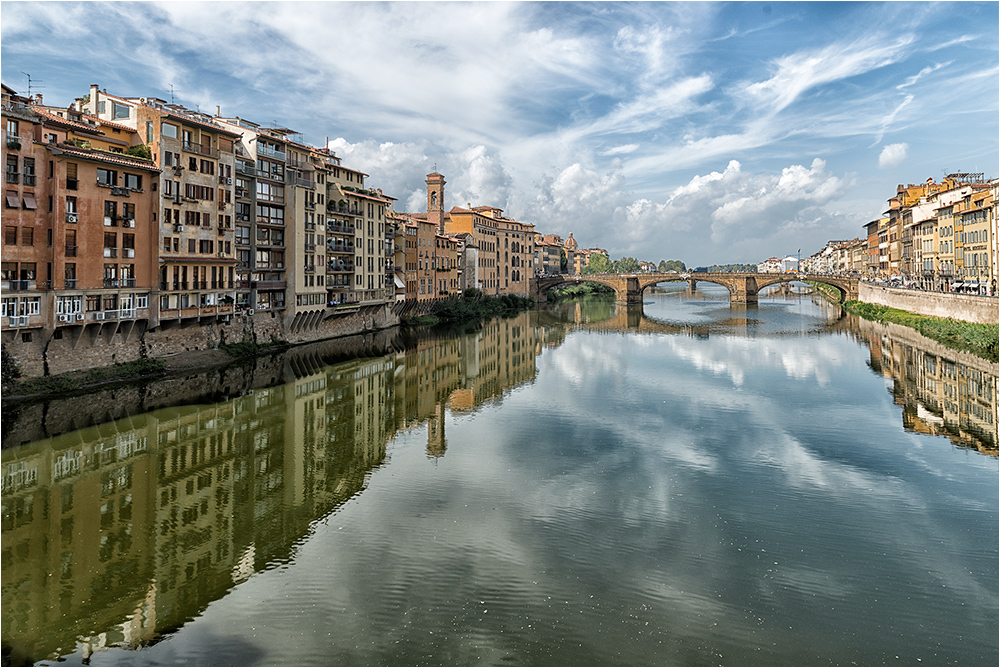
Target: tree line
[[600, 264]]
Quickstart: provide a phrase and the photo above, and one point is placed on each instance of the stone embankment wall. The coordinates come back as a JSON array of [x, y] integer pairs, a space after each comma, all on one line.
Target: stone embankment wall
[[98, 345], [969, 308]]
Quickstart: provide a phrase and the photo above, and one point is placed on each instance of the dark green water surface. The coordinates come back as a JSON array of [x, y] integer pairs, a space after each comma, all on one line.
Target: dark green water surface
[[682, 483]]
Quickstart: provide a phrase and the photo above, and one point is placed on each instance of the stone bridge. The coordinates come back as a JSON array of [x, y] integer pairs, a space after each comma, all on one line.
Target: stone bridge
[[743, 288]]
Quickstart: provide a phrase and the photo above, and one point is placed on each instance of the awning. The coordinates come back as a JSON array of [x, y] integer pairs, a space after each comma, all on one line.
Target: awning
[[29, 201], [12, 200], [957, 284], [399, 283]]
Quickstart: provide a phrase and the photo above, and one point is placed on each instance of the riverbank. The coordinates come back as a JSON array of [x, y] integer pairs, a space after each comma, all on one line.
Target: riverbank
[[74, 383], [571, 291], [980, 340], [471, 306]]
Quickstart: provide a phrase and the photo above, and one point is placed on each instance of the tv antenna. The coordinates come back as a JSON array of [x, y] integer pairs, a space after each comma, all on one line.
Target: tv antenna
[[171, 93], [29, 83]]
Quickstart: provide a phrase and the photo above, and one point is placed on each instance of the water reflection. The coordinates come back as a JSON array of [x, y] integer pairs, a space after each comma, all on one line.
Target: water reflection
[[120, 532]]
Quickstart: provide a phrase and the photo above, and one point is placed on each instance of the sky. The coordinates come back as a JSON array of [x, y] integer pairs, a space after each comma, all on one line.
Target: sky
[[699, 131]]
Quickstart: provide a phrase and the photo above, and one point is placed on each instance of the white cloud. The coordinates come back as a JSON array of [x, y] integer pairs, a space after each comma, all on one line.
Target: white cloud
[[892, 155]]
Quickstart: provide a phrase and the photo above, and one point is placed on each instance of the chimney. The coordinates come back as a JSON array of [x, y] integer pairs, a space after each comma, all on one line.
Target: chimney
[[218, 111], [93, 99], [38, 99]]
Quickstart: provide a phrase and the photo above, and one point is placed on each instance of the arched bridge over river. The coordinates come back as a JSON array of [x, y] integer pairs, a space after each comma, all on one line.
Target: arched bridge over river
[[743, 288]]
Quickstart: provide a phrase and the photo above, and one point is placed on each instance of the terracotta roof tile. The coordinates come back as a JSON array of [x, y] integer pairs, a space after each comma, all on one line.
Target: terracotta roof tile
[[104, 156]]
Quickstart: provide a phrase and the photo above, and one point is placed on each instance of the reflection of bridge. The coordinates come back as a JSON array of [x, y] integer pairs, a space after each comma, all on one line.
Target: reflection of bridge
[[743, 288], [742, 321]]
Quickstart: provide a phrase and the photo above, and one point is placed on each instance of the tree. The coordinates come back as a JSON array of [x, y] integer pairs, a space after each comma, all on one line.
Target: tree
[[598, 264], [626, 265], [140, 151]]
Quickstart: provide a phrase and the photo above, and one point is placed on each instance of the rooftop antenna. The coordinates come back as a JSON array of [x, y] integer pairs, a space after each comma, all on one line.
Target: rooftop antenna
[[29, 83], [171, 93]]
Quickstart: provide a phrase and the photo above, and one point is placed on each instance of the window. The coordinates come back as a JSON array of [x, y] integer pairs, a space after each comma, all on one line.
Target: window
[[270, 192], [207, 167], [71, 204], [107, 177], [70, 243], [192, 162], [119, 110], [9, 236], [27, 236], [242, 235], [206, 246], [191, 245], [133, 181], [11, 128], [169, 131]]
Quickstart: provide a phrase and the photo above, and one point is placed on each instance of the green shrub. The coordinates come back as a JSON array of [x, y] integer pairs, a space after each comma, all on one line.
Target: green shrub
[[981, 340]]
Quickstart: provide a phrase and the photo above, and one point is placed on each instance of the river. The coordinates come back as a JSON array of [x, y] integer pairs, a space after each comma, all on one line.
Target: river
[[685, 482]]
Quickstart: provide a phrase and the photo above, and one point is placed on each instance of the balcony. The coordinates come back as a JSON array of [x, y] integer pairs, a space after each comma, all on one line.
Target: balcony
[[270, 285], [111, 282], [246, 169], [309, 269], [72, 184], [339, 228], [70, 251], [270, 153], [344, 210], [199, 149], [345, 249], [339, 268], [14, 286], [243, 192]]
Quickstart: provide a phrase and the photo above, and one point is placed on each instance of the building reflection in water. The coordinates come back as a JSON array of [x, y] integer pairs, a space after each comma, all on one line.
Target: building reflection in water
[[941, 391], [116, 534]]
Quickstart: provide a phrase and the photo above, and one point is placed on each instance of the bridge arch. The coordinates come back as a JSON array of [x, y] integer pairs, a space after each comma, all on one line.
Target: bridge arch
[[743, 288]]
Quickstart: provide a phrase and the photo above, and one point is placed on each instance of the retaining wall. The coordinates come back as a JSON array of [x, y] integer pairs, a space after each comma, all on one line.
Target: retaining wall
[[75, 348], [969, 308]]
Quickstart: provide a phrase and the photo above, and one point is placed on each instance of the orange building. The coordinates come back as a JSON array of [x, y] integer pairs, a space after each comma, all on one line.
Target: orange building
[[79, 224]]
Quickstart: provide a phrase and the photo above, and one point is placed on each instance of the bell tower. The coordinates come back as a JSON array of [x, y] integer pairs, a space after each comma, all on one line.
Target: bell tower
[[435, 200]]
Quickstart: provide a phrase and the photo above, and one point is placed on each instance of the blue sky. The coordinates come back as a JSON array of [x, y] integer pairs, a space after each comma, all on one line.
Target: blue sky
[[706, 132]]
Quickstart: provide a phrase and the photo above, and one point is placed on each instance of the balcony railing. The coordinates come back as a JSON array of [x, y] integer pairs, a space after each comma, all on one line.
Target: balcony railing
[[19, 285], [110, 252], [127, 282], [270, 153], [336, 268], [111, 282], [70, 283], [200, 149], [246, 169], [70, 251], [29, 179], [338, 228]]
